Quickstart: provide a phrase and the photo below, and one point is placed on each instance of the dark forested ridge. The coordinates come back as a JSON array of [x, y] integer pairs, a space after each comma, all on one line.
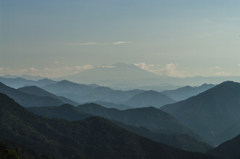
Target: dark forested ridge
[[212, 113], [5, 153], [72, 113], [93, 137], [64, 111], [21, 151], [149, 98], [227, 150], [152, 118], [182, 141]]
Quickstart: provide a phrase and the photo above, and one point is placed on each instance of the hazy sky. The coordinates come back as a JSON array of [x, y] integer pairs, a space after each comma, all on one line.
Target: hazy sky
[[59, 37]]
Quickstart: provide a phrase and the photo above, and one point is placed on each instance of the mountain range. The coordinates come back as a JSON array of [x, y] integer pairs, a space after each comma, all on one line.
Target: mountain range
[[82, 93], [187, 91], [79, 139], [34, 90], [149, 98], [211, 113], [227, 150], [118, 71], [21, 82], [152, 118], [29, 100], [71, 113]]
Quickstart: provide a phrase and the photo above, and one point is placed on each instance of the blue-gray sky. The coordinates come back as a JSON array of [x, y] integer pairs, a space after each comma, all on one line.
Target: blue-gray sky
[[59, 37]]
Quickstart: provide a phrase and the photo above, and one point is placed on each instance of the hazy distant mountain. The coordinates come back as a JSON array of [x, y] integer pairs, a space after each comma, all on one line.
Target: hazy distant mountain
[[67, 87], [29, 100], [16, 82], [118, 71], [154, 119], [187, 91], [21, 82], [149, 98], [211, 112], [34, 90], [79, 139], [27, 77], [227, 150], [88, 93]]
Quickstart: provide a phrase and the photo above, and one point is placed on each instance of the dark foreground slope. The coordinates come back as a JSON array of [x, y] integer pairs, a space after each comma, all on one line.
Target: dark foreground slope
[[93, 137], [5, 153], [72, 113], [21, 151], [152, 118], [227, 150], [210, 113]]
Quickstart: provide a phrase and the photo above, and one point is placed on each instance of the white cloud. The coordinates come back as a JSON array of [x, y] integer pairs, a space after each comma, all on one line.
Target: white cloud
[[95, 43], [169, 70], [104, 66], [120, 42], [233, 19], [56, 62], [46, 72], [89, 43], [217, 67], [223, 73]]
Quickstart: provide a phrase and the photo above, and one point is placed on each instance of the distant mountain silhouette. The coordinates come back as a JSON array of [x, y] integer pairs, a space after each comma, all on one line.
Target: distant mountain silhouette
[[21, 82], [227, 150], [149, 98], [67, 87], [154, 119], [34, 90], [210, 113], [82, 93], [93, 137], [187, 91], [118, 71], [29, 100]]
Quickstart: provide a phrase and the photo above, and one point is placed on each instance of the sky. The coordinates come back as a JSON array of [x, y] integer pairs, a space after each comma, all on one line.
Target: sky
[[186, 38]]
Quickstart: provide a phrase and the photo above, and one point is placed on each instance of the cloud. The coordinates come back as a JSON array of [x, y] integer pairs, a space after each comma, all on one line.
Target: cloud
[[104, 66], [95, 43], [169, 70], [223, 73], [217, 67], [233, 19], [46, 72], [56, 62], [89, 43], [120, 42]]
